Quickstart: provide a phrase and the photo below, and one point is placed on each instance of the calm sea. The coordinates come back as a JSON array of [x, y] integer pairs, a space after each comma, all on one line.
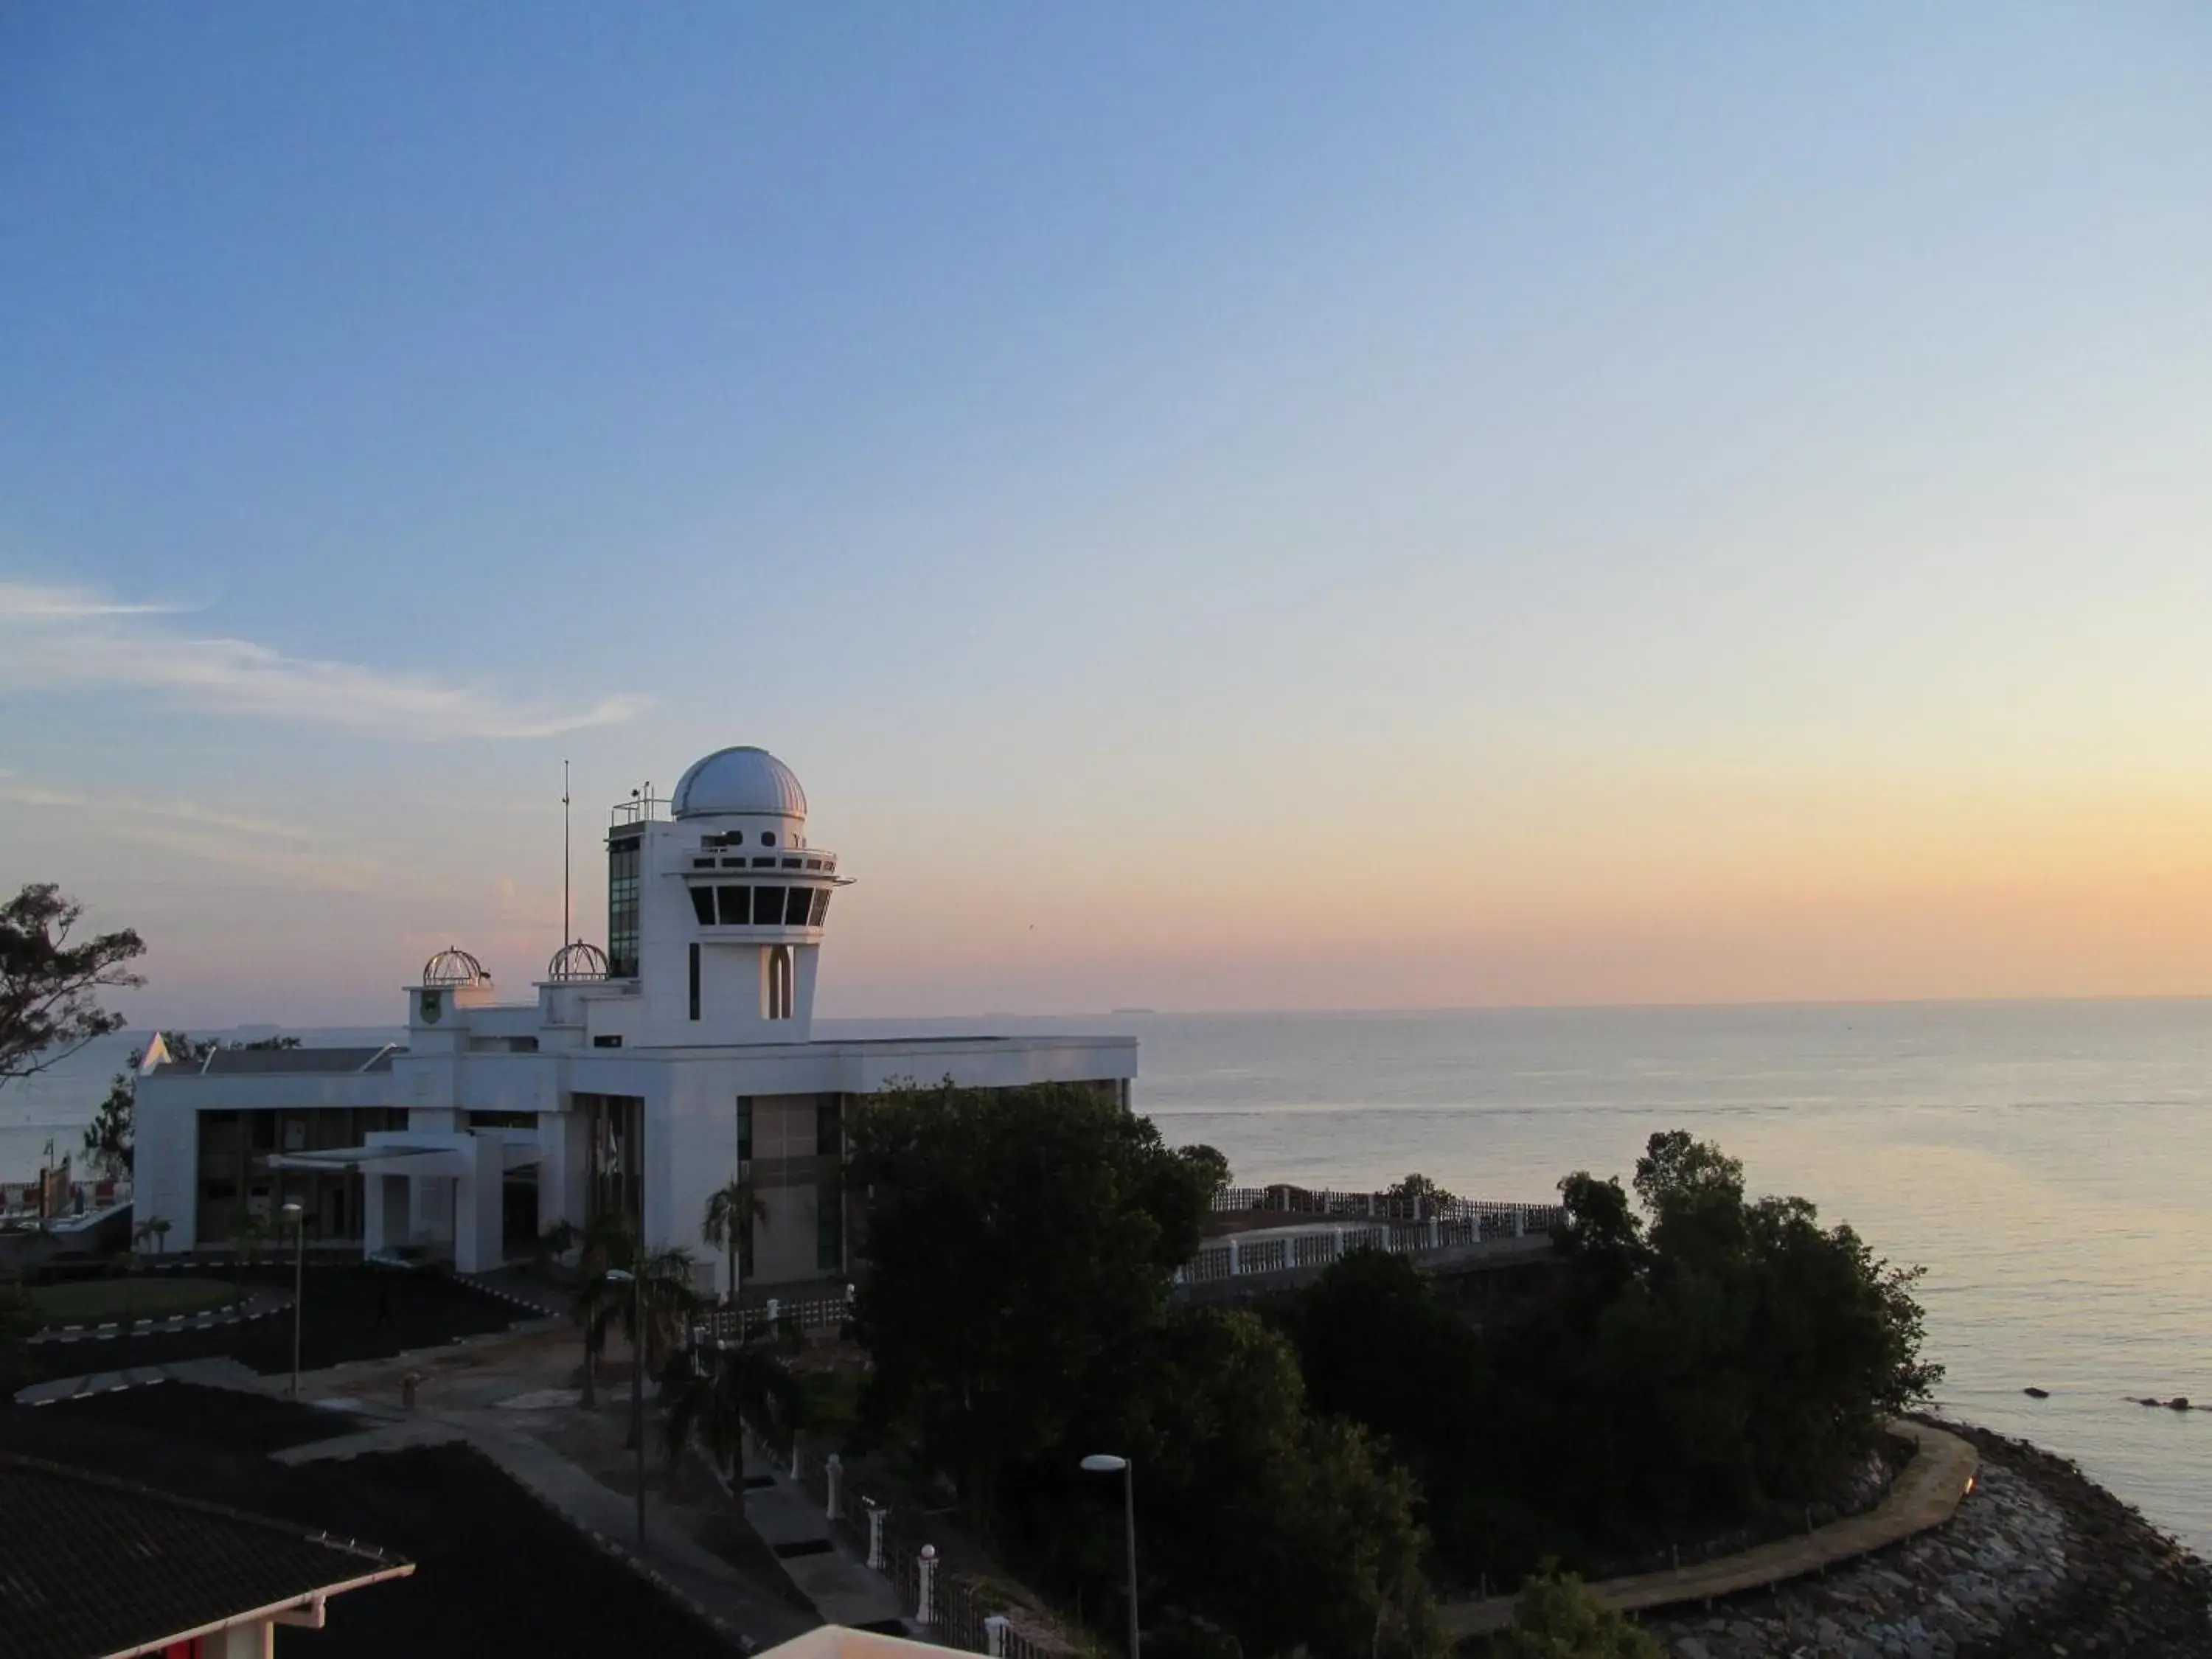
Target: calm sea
[[2047, 1162]]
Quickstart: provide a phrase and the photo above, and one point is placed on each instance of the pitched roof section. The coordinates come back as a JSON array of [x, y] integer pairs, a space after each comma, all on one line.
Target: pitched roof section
[[297, 1062], [91, 1566]]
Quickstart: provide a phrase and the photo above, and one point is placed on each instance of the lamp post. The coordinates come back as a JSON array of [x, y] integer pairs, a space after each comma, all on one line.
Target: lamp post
[[1107, 1463], [623, 1275], [298, 1218]]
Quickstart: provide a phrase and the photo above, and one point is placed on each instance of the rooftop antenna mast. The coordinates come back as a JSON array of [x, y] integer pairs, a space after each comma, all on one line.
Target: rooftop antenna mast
[[564, 853]]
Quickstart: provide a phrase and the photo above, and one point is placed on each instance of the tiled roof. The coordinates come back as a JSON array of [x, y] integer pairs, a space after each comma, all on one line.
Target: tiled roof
[[91, 1566], [263, 1062]]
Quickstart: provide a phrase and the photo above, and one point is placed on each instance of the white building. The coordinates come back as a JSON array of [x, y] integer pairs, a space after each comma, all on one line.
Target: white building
[[638, 1080]]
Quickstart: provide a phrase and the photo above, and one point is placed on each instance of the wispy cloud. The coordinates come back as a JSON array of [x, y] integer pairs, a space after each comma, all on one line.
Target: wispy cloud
[[268, 846], [55, 638]]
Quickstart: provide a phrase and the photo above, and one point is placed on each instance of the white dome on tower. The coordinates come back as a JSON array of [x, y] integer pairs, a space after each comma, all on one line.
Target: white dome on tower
[[744, 780]]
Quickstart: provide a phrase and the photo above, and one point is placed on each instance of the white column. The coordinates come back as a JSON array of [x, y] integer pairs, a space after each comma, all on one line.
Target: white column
[[477, 1245], [926, 1613], [1233, 1268], [875, 1535], [994, 1635], [833, 1475]]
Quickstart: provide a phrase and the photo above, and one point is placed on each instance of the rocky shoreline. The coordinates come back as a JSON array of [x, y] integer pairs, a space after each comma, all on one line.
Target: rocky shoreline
[[2039, 1560]]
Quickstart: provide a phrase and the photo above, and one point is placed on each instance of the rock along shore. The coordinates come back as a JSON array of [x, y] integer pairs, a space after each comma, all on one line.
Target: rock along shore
[[2039, 1559]]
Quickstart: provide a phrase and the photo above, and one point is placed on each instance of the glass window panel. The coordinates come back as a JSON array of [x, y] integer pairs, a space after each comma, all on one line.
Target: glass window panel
[[702, 905], [737, 906], [767, 906], [798, 907], [821, 906]]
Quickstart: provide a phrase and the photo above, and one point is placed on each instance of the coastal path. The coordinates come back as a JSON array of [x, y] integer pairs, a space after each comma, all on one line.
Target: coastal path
[[1926, 1494]]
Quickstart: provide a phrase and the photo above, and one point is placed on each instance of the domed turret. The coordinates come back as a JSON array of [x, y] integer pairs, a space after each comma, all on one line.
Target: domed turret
[[575, 962], [454, 966], [739, 781]]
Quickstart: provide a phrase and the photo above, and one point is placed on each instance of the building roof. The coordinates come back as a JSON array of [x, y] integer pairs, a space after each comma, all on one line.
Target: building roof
[[92, 1566], [744, 780], [266, 1062]]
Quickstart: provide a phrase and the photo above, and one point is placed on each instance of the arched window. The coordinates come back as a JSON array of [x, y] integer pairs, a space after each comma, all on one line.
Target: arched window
[[779, 982]]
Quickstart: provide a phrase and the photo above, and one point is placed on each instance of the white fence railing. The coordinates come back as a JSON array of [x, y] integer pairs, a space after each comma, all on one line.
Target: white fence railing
[[824, 1312], [1233, 1257], [1371, 1206]]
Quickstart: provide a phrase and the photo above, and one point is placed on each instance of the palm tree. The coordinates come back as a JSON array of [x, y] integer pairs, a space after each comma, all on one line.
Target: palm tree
[[731, 1209], [664, 1295], [746, 1384], [249, 1233], [152, 1230], [606, 1242]]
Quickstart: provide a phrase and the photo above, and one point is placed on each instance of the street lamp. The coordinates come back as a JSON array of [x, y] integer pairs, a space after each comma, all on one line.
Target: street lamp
[[298, 1218], [1107, 1463], [624, 1276]]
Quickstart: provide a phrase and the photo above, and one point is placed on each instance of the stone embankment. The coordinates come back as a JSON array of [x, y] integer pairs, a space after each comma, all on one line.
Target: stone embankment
[[2039, 1559]]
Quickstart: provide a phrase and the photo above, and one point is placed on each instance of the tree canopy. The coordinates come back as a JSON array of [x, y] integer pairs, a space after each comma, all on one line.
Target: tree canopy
[[50, 988], [1017, 1240], [1015, 1302], [1708, 1359]]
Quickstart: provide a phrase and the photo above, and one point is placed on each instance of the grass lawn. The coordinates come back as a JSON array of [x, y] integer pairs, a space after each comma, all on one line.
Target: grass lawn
[[95, 1301]]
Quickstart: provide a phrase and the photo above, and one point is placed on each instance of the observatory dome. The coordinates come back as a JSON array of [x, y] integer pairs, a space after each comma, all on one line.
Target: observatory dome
[[741, 779]]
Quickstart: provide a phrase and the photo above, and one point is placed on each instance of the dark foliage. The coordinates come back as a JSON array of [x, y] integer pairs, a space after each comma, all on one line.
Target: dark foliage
[[1017, 1240], [1703, 1368], [1016, 1308], [49, 988]]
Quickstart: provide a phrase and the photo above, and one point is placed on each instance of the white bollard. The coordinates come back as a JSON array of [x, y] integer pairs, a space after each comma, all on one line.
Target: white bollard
[[994, 1635], [1336, 1246], [875, 1535], [1233, 1268], [1435, 1233], [926, 1613], [1520, 1221], [775, 1310], [833, 1472]]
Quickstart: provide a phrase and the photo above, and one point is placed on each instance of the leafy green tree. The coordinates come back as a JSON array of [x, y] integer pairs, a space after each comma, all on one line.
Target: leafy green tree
[[49, 988], [1557, 1616], [1209, 1164], [1288, 1528], [1708, 1359], [1376, 1344], [1418, 1190], [1017, 1240], [731, 1209]]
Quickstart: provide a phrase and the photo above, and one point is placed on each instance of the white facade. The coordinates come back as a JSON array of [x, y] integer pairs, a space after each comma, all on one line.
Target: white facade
[[631, 1089]]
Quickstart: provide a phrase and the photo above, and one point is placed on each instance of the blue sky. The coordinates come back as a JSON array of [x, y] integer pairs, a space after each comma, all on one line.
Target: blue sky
[[1239, 506]]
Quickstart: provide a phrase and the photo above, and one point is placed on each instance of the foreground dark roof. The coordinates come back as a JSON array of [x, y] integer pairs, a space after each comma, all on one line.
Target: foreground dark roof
[[249, 1063], [91, 1567]]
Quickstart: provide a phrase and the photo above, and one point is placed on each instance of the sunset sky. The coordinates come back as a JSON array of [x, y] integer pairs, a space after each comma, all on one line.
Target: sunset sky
[[1223, 507]]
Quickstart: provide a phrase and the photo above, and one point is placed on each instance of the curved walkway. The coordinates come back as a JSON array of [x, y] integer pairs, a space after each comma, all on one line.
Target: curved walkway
[[1925, 1495], [256, 1304]]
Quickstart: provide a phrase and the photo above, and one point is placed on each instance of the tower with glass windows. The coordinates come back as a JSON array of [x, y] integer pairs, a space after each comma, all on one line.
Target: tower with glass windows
[[716, 903]]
